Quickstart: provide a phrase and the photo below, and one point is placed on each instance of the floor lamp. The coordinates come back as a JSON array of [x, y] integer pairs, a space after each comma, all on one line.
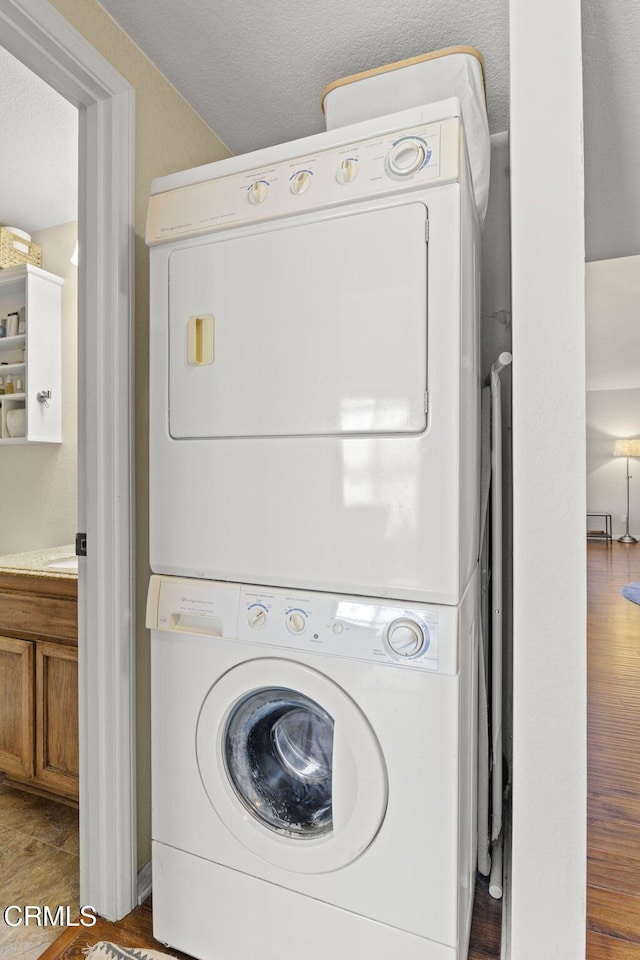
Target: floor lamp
[[627, 448]]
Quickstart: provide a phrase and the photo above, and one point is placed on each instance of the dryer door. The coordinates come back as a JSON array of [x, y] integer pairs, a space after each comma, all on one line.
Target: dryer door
[[291, 765], [301, 329]]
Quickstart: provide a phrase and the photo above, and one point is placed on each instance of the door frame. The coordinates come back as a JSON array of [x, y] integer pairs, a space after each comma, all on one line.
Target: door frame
[[39, 36]]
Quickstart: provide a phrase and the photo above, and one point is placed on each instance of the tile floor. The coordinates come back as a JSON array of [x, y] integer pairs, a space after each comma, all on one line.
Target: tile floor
[[38, 866]]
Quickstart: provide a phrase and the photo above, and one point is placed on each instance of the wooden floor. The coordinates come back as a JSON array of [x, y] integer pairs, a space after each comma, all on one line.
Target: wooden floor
[[613, 806], [38, 866]]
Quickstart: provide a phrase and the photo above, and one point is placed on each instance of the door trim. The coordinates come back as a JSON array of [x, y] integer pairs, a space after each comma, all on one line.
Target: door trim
[[40, 37]]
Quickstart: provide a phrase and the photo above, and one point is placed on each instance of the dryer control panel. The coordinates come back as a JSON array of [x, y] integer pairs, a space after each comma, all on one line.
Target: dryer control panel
[[402, 160], [393, 632]]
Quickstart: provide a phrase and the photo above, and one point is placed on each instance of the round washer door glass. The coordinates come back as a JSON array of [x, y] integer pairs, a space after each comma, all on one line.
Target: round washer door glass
[[291, 765], [278, 752]]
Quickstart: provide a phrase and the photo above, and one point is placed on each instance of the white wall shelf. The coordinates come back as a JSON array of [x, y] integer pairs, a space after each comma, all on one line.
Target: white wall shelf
[[34, 356], [8, 344]]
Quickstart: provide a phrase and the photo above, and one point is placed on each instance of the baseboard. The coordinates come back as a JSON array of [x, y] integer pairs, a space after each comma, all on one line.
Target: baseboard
[[144, 882], [505, 940]]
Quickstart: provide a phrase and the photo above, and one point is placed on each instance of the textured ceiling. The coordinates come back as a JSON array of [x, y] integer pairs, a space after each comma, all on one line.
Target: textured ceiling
[[254, 70], [39, 152]]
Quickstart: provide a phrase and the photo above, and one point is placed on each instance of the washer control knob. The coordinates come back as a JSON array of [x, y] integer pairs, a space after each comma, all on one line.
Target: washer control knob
[[258, 191], [296, 622], [406, 638], [405, 157], [347, 171], [257, 617], [300, 182]]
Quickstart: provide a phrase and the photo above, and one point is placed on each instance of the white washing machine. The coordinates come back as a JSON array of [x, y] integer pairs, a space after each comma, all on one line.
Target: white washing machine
[[314, 363], [313, 773]]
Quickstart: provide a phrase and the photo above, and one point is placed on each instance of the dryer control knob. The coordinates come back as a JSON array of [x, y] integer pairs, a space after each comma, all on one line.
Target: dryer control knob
[[300, 182], [405, 157], [406, 638], [347, 171], [296, 622], [257, 617], [258, 191]]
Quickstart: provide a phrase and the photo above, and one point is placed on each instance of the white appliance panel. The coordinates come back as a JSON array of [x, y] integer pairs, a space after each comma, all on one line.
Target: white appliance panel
[[304, 175], [281, 923], [376, 515], [408, 876], [317, 329]]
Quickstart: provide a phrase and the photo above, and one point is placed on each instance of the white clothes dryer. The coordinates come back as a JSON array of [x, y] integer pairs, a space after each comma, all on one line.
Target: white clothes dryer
[[313, 773], [314, 363]]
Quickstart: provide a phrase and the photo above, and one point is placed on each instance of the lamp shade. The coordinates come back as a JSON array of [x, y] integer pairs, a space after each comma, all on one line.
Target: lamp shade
[[627, 448]]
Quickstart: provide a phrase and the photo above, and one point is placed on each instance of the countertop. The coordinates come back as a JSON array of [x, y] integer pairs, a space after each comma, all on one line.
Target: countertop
[[36, 563]]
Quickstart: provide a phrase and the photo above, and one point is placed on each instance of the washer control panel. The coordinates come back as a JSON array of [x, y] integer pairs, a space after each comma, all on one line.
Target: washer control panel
[[366, 168], [408, 635]]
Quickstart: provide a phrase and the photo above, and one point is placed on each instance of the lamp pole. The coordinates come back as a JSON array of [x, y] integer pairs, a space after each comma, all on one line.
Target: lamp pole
[[627, 538]]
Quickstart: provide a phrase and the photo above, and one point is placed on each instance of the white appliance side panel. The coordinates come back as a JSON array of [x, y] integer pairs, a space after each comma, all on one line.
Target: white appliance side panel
[[470, 385], [317, 328], [215, 913]]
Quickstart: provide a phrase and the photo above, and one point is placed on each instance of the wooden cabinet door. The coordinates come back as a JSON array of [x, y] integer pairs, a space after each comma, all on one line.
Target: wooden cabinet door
[[16, 707], [57, 718]]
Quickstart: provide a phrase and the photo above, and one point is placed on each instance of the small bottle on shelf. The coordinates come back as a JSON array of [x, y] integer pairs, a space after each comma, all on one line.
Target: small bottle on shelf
[[8, 386]]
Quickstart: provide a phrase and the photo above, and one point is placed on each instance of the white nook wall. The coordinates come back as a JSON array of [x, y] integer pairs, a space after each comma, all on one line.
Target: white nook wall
[[548, 869]]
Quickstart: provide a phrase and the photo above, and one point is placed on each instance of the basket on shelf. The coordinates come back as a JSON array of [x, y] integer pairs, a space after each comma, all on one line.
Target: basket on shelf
[[15, 250]]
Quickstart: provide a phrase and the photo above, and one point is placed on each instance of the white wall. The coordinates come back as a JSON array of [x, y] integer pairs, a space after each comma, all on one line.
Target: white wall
[[612, 415], [40, 480], [546, 910]]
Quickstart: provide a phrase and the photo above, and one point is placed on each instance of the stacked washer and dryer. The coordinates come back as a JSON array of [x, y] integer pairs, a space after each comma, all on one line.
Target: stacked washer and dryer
[[314, 539]]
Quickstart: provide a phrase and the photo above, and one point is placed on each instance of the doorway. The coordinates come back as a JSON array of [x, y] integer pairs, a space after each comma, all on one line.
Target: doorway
[[613, 624], [39, 783], [40, 38]]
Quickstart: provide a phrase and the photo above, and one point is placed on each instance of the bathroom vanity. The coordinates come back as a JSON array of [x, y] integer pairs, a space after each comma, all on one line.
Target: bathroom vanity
[[39, 673]]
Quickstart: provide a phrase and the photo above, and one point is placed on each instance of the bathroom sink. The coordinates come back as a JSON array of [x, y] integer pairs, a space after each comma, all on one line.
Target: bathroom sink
[[68, 563]]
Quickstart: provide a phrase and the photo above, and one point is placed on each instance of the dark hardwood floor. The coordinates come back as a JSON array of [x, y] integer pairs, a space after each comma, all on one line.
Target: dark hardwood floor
[[613, 806]]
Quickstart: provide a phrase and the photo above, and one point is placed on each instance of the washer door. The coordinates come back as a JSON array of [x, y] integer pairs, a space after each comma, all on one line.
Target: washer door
[[291, 765]]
